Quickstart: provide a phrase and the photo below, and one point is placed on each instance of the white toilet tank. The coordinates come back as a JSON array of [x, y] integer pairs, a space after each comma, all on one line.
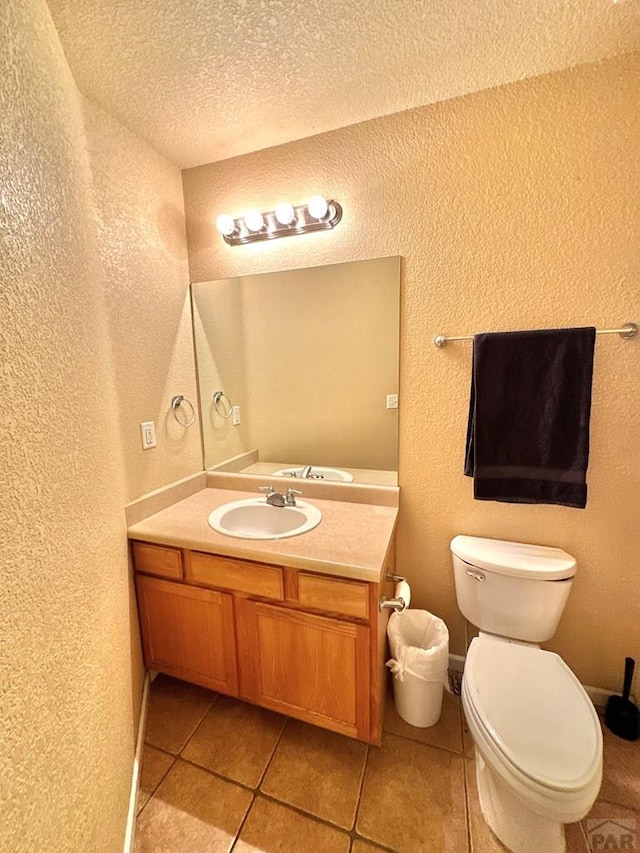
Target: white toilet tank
[[511, 589]]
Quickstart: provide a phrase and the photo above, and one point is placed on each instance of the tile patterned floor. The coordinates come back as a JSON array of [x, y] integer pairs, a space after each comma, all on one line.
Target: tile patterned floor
[[219, 775]]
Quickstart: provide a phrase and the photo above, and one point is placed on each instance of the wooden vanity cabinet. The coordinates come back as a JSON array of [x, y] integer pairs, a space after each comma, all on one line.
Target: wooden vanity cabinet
[[311, 667], [307, 645], [188, 633]]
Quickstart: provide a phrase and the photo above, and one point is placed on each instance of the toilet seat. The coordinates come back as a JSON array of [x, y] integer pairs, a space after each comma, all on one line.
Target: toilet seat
[[533, 720]]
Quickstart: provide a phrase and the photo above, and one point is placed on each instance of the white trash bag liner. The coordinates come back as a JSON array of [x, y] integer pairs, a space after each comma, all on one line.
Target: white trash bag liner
[[419, 644]]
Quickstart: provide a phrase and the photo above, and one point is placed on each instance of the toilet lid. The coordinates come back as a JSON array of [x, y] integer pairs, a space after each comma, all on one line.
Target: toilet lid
[[535, 712]]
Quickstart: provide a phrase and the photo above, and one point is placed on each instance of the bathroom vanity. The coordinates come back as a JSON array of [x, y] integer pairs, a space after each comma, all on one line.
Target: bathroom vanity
[[292, 625]]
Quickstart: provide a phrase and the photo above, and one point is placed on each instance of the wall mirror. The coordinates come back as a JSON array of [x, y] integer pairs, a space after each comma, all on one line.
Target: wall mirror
[[298, 370]]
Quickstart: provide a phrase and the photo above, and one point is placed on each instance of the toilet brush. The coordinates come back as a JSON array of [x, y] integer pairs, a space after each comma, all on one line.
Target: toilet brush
[[622, 716]]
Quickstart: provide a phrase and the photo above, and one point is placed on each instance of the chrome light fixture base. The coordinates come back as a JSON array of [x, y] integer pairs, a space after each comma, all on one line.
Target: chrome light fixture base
[[302, 223]]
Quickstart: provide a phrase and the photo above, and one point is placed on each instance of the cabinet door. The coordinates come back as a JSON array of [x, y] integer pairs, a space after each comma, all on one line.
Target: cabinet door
[[311, 667], [188, 632]]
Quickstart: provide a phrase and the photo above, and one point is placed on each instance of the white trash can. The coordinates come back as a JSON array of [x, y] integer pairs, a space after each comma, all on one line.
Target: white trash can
[[419, 644]]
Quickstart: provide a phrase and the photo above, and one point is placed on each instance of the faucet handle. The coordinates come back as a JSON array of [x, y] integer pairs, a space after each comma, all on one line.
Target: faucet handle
[[268, 489], [291, 496]]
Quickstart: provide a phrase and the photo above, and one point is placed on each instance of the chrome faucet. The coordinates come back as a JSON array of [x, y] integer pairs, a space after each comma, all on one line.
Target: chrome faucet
[[278, 499]]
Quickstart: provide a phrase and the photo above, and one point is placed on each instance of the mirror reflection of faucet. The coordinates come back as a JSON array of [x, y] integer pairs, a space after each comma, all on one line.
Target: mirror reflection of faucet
[[311, 472], [306, 473]]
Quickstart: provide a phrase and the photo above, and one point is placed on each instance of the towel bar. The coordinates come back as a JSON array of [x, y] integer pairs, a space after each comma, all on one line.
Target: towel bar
[[629, 330]]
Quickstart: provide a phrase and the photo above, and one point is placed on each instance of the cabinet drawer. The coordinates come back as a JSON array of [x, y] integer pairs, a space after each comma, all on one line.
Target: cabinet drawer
[[350, 598], [238, 575], [157, 560]]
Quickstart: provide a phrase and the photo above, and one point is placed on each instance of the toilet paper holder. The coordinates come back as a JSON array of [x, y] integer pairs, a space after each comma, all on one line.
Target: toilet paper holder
[[398, 603]]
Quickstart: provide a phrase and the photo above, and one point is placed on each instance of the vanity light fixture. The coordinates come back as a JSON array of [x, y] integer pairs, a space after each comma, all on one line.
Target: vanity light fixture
[[254, 221], [317, 207], [318, 214]]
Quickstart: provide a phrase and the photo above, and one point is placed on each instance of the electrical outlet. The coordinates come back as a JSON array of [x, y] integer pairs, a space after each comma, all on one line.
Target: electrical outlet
[[392, 401], [235, 415], [148, 434]]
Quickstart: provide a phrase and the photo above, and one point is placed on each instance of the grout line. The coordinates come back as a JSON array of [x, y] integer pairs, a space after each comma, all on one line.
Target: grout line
[[247, 787], [467, 802], [273, 752], [375, 844], [465, 768], [219, 775], [361, 788], [303, 813], [162, 778], [430, 745], [585, 838], [354, 834], [236, 837], [198, 724]]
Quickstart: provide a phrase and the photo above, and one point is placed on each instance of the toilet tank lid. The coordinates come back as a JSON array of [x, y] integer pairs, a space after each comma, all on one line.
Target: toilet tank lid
[[515, 558]]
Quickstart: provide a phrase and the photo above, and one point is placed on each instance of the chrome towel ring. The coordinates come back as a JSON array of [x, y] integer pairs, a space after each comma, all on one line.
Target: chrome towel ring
[[176, 403], [222, 404]]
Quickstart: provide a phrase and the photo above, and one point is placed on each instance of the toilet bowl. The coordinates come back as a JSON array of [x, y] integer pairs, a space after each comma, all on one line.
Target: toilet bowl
[[538, 742], [537, 736]]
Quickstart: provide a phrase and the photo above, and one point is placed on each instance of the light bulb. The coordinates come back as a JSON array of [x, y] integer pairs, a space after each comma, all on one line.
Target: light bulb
[[225, 225], [253, 220], [285, 214], [317, 207]]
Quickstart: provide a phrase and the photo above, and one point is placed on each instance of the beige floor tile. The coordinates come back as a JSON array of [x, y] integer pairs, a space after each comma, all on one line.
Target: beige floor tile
[[413, 798], [175, 709], [182, 807], [154, 767], [612, 824], [621, 772], [445, 733], [272, 828], [317, 771], [191, 811], [236, 740]]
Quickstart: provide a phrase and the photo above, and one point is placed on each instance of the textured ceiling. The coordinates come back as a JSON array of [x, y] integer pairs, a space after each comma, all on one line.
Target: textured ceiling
[[202, 80]]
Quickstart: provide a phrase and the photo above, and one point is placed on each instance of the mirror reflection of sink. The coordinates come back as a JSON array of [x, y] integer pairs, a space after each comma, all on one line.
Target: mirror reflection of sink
[[318, 472], [254, 518]]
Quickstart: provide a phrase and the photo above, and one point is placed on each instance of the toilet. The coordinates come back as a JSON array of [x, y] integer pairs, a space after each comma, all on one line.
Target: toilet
[[538, 740]]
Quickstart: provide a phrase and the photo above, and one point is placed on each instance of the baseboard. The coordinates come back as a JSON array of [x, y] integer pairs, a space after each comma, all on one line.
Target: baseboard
[[598, 696], [456, 663], [135, 775]]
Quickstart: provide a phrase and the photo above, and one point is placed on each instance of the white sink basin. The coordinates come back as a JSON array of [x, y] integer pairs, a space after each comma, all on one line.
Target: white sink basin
[[254, 518], [318, 472]]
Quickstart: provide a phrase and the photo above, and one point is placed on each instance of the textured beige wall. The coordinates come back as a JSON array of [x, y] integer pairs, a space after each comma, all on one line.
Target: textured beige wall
[[512, 208], [142, 247], [67, 722], [310, 377], [93, 320]]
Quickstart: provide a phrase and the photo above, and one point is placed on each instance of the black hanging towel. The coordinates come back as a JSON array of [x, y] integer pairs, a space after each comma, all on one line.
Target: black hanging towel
[[528, 429]]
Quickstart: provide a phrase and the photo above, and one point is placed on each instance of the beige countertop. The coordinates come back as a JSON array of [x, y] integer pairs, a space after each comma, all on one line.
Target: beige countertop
[[352, 540]]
